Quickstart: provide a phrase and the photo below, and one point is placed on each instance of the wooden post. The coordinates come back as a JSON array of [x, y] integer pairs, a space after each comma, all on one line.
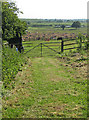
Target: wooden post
[[62, 45], [41, 49], [80, 42], [11, 45]]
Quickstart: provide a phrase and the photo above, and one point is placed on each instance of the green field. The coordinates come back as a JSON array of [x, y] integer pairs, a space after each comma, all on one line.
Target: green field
[[55, 30], [49, 29]]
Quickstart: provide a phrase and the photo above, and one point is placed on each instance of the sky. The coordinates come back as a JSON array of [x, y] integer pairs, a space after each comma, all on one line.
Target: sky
[[52, 9]]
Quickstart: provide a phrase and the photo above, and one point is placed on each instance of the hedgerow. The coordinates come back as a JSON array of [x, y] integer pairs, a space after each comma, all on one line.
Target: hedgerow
[[12, 62]]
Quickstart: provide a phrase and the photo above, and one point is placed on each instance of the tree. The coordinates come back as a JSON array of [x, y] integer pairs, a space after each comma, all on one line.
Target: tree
[[63, 26], [11, 24], [76, 24]]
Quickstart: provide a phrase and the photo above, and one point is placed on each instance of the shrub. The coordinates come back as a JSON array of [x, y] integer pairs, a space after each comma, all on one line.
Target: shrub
[[12, 62]]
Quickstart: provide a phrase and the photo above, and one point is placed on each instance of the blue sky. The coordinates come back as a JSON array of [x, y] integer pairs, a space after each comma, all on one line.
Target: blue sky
[[53, 9]]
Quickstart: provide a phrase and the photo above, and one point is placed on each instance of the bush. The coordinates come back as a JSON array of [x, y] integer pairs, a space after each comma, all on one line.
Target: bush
[[12, 62], [81, 38]]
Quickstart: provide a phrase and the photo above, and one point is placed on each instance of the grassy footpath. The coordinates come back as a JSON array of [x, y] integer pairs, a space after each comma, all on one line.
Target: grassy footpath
[[49, 87]]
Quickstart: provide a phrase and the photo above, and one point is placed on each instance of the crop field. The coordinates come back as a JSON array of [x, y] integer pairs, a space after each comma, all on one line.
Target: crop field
[[52, 33], [41, 30], [55, 30], [44, 81]]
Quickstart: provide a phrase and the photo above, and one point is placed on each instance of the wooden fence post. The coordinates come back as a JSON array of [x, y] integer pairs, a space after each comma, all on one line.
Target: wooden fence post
[[80, 42], [41, 49], [62, 42]]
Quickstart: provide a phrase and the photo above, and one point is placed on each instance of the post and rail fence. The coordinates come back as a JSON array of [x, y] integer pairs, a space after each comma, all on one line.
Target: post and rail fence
[[62, 45]]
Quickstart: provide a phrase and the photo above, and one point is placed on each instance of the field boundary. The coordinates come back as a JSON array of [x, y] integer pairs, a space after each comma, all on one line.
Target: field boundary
[[61, 44]]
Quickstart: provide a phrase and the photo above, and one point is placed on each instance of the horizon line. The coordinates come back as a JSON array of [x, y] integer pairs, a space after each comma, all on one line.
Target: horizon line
[[57, 18]]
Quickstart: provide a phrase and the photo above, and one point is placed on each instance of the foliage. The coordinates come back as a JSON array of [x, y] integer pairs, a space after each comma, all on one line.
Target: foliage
[[76, 24], [10, 21], [81, 38], [63, 26], [11, 64], [41, 25]]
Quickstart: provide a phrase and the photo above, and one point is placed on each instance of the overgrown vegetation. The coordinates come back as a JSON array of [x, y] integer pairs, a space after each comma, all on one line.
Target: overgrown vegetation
[[12, 29], [12, 62]]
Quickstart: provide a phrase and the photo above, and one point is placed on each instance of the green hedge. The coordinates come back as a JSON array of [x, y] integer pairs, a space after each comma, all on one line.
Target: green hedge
[[12, 62]]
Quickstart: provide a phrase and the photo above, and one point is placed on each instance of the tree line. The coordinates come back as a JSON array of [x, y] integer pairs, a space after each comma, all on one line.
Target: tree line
[[76, 25]]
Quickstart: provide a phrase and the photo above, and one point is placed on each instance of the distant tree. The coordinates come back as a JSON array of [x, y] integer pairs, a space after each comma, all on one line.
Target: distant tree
[[63, 26], [76, 24], [28, 22], [60, 21]]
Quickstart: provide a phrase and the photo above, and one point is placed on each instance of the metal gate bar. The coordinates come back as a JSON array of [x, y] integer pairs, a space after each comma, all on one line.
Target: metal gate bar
[[32, 48]]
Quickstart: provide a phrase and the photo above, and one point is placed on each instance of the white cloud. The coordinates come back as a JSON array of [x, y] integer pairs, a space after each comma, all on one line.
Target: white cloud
[[61, 9]]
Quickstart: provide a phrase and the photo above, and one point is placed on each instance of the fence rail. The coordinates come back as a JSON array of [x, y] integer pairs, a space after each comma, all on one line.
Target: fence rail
[[33, 48], [51, 48], [62, 44], [70, 40], [71, 48], [51, 42], [70, 44]]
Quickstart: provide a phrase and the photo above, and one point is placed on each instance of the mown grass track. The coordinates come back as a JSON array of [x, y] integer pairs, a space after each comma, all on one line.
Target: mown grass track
[[49, 87]]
